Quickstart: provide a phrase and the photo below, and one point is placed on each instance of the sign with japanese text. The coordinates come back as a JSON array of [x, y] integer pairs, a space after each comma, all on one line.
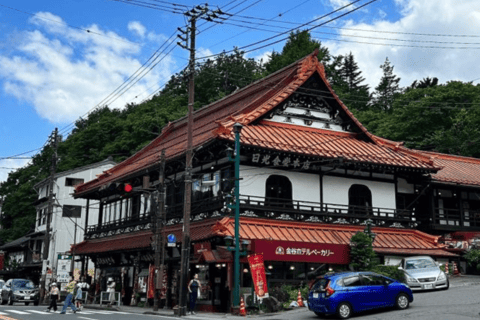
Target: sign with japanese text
[[151, 283], [257, 269], [303, 251]]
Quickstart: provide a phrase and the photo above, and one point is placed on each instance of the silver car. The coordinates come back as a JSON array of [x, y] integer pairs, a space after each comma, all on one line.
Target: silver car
[[423, 273], [20, 290]]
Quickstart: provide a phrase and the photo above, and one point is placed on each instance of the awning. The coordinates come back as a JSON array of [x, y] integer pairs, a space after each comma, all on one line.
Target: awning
[[142, 239], [220, 255], [333, 237]]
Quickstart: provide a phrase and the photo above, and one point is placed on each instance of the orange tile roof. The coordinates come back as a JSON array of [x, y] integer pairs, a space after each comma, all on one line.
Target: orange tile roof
[[245, 106], [388, 240], [325, 144], [142, 239], [456, 169]]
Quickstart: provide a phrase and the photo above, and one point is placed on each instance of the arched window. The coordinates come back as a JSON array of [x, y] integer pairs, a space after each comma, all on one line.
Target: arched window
[[359, 199], [278, 192]]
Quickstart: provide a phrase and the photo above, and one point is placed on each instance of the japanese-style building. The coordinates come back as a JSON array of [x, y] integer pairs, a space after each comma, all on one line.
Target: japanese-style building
[[310, 176]]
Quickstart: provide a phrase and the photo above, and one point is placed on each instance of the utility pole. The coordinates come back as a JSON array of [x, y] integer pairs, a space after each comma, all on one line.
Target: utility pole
[[199, 12], [46, 241], [160, 233]]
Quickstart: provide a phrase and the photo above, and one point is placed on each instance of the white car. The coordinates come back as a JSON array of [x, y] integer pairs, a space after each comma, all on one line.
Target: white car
[[423, 273]]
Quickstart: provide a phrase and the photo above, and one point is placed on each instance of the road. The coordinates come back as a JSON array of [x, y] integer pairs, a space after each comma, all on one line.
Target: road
[[20, 312], [457, 303]]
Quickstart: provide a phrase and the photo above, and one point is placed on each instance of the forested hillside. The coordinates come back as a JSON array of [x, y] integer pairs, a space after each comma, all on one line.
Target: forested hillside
[[427, 115]]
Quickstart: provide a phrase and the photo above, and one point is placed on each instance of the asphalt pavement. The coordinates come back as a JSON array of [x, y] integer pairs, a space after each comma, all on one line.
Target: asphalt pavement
[[455, 281]]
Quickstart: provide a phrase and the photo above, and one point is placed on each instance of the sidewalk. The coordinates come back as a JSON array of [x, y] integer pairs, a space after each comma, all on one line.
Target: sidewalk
[[455, 281], [198, 315]]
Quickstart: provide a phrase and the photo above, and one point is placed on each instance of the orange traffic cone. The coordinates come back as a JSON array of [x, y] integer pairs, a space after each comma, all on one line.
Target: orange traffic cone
[[446, 268], [243, 312], [299, 299], [455, 269]]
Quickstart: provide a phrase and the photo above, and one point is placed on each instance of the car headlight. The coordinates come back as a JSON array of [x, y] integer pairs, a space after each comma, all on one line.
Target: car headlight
[[442, 276], [410, 279]]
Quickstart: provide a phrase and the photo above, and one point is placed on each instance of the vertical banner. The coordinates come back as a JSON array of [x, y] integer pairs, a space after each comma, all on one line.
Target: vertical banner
[[2, 260], [163, 289], [257, 268], [151, 282]]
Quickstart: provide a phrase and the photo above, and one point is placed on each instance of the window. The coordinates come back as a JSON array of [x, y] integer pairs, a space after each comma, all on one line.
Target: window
[[352, 282], [278, 192], [371, 280], [359, 199], [72, 182]]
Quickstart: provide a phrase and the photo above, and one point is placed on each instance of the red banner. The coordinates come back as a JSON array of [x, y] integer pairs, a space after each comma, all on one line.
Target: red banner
[[303, 251], [151, 282], [257, 269], [2, 260]]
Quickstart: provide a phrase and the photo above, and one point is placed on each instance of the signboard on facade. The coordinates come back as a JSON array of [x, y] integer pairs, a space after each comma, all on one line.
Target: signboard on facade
[[64, 264], [72, 211], [257, 269], [302, 251]]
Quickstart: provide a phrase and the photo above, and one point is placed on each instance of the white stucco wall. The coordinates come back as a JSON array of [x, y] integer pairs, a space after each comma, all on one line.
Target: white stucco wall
[[335, 191], [305, 186], [63, 228]]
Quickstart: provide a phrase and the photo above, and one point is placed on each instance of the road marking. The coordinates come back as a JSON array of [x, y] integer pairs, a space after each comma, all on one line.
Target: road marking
[[40, 312], [87, 318], [17, 311], [105, 312]]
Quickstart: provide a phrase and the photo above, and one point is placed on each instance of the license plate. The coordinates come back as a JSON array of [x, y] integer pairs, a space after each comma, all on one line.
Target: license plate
[[428, 286], [27, 297], [315, 295]]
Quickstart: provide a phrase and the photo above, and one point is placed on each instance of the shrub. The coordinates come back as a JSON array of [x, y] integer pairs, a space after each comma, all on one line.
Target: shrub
[[390, 271]]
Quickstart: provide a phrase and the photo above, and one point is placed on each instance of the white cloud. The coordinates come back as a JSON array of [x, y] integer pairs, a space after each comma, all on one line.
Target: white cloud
[[202, 52], [9, 165], [336, 4], [137, 28], [264, 57], [65, 72], [416, 60]]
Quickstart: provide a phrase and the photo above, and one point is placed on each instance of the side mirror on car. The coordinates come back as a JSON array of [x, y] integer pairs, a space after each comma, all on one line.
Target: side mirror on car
[[400, 268]]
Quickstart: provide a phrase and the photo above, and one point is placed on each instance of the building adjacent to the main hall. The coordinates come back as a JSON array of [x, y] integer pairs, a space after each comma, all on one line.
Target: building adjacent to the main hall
[[310, 176]]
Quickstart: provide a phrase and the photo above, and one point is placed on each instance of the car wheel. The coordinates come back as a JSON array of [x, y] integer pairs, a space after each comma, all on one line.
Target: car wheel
[[344, 310], [35, 303], [402, 302], [10, 300], [320, 315], [27, 303], [4, 301]]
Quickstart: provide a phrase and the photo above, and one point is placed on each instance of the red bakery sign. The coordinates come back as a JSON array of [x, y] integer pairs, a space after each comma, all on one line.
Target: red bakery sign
[[302, 251]]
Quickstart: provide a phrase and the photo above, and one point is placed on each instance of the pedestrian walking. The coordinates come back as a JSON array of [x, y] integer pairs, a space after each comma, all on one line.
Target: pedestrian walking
[[53, 298], [111, 289], [68, 300], [194, 288], [78, 297]]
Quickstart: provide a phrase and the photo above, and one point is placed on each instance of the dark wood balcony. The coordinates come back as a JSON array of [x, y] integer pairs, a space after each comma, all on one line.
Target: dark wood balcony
[[455, 220], [262, 207]]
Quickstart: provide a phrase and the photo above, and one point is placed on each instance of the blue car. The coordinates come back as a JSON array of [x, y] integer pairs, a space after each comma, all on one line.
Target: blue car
[[348, 292]]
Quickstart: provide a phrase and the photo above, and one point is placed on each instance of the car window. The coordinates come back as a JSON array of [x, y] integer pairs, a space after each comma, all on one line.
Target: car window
[[23, 284], [320, 284], [352, 281], [372, 280], [1, 285], [419, 264]]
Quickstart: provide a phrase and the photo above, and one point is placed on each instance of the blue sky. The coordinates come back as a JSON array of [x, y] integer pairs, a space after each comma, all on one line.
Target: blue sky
[[52, 70]]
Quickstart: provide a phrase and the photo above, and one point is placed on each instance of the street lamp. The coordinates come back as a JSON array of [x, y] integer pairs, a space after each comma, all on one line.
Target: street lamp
[[237, 128]]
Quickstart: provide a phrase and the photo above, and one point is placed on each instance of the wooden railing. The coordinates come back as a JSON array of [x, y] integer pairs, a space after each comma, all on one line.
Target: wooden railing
[[265, 208], [457, 219]]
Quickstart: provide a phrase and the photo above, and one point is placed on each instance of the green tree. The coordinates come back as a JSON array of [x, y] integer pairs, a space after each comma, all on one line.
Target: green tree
[[361, 252], [298, 45], [350, 88], [388, 88], [473, 258], [442, 117]]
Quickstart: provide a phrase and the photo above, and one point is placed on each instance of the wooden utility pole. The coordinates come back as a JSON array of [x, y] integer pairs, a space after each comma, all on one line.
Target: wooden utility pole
[[46, 241], [199, 12], [160, 232]]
